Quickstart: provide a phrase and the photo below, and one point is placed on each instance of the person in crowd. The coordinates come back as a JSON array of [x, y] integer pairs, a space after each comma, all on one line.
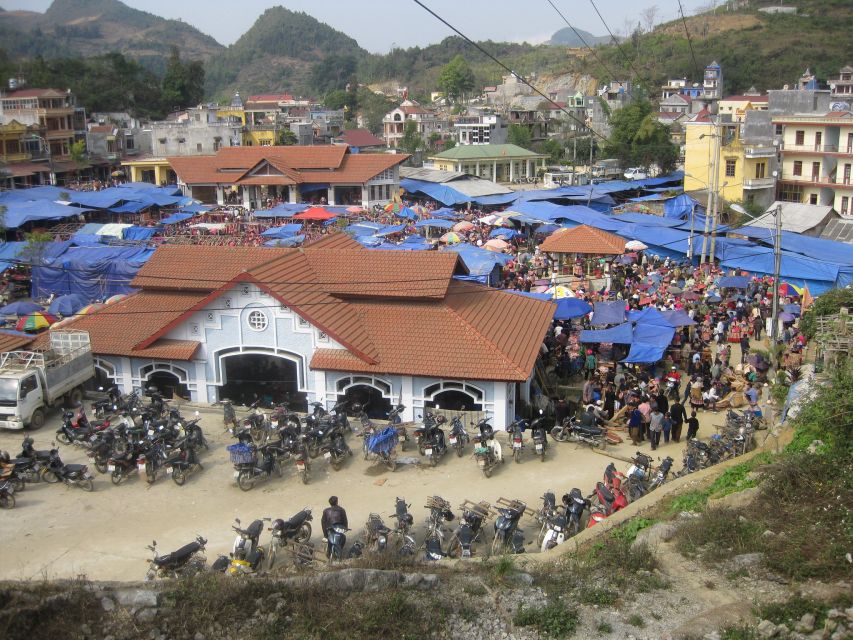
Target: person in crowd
[[635, 426], [678, 416], [655, 428], [692, 426], [666, 427]]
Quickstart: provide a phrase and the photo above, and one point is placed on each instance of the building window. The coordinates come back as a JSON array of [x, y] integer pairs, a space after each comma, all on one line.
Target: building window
[[198, 147], [815, 171], [779, 129], [800, 138], [798, 167], [790, 192], [845, 201], [730, 168], [813, 198], [760, 168], [257, 320]]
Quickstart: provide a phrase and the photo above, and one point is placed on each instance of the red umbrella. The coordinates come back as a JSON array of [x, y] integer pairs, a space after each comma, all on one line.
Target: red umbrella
[[315, 213]]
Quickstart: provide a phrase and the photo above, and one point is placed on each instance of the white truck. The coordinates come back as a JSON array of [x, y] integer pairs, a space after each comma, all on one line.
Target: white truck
[[32, 381]]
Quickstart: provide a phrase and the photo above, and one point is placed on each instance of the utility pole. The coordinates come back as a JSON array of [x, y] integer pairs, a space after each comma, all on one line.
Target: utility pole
[[712, 196], [591, 144], [777, 268], [690, 240]]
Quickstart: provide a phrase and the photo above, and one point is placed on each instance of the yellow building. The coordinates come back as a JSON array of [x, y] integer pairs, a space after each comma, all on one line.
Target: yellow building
[[817, 159], [745, 171], [737, 106], [152, 170], [14, 145]]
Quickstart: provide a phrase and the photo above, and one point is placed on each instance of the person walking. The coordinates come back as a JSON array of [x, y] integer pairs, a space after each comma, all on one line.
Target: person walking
[[635, 425], [692, 426], [666, 427], [590, 364], [679, 417], [655, 428]]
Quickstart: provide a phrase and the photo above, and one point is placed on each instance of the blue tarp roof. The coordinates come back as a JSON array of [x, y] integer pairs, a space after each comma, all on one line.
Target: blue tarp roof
[[442, 193], [138, 233], [284, 210], [130, 207], [364, 228], [735, 282], [608, 313], [654, 334], [20, 212], [642, 353], [620, 334], [649, 315], [445, 212], [176, 218], [369, 241], [434, 222], [829, 250], [678, 318], [390, 230], [680, 207], [480, 262], [532, 294], [93, 272], [284, 231], [195, 208], [288, 241], [568, 308], [506, 234]]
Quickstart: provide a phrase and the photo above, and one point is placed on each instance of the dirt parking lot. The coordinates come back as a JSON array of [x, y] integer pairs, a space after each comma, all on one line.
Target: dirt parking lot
[[64, 532]]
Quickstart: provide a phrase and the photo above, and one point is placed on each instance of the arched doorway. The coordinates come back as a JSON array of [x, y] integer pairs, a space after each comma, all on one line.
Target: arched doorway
[[373, 393], [247, 377], [170, 380], [454, 396]]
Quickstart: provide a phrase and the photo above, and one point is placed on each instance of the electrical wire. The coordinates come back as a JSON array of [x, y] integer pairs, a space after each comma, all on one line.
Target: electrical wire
[[616, 42], [689, 41], [518, 76], [580, 37]]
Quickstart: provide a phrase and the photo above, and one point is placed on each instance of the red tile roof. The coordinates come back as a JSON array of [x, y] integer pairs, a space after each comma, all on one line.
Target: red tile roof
[[394, 312], [13, 343], [360, 138], [102, 128], [270, 97], [327, 163], [35, 93], [584, 239]]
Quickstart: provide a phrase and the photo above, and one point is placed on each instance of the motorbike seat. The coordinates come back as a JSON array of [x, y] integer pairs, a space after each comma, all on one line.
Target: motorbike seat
[[294, 522], [21, 462], [176, 557], [605, 493], [589, 431], [254, 530]]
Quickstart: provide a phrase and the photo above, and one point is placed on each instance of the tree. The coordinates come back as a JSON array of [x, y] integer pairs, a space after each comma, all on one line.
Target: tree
[[411, 140], [183, 83], [77, 151], [638, 139], [286, 137], [553, 148], [518, 135], [333, 73], [456, 78]]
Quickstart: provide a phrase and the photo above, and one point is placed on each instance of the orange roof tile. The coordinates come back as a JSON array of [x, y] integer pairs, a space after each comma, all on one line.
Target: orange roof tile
[[584, 239]]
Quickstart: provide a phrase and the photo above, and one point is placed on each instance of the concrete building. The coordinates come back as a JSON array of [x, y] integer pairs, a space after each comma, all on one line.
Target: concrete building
[[496, 162], [427, 123], [51, 110], [615, 96], [484, 129], [317, 324], [817, 159], [736, 107], [841, 87]]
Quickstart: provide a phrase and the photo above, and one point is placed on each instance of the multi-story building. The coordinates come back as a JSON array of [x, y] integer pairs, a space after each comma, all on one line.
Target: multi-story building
[[328, 124], [428, 122], [51, 110], [609, 98], [484, 129], [841, 87], [737, 106], [817, 159]]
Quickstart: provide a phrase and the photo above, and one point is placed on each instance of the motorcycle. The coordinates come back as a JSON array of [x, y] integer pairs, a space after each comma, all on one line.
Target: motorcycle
[[336, 539], [247, 470], [294, 530], [439, 513], [303, 463], [539, 436], [638, 475], [575, 505], [516, 431], [108, 405], [662, 473], [572, 430], [402, 516], [508, 537], [556, 533], [7, 495], [606, 503], [193, 432], [430, 438], [376, 536], [101, 448], [336, 451], [469, 531], [229, 416], [487, 450], [182, 463], [247, 555], [121, 465], [545, 513], [76, 475], [76, 428], [458, 436], [186, 560]]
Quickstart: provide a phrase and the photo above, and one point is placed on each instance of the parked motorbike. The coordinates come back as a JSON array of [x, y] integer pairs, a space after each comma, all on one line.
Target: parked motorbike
[[121, 465], [303, 463], [469, 531], [229, 416], [575, 505], [101, 448], [508, 537], [545, 513], [336, 451], [638, 476], [107, 405], [402, 516], [661, 474], [247, 555], [76, 428], [294, 530], [439, 513], [557, 529], [76, 475], [539, 435], [574, 431], [459, 438], [516, 437], [430, 438], [487, 450], [7, 495], [336, 539], [186, 560], [248, 469], [182, 462], [604, 503]]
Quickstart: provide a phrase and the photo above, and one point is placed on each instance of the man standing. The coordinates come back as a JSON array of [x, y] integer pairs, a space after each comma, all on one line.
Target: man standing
[[635, 424], [692, 426], [333, 515], [655, 427], [678, 416]]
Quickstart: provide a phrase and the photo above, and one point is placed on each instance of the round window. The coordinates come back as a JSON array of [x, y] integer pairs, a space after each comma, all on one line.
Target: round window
[[257, 320]]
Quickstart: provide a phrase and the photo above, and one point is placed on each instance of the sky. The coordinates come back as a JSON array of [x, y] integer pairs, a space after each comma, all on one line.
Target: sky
[[381, 25]]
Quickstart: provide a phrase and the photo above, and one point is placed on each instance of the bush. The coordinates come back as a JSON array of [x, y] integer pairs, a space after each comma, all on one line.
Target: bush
[[554, 620], [628, 531], [827, 304]]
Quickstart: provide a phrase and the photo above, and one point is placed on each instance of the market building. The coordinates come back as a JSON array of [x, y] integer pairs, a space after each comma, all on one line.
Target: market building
[[317, 324], [497, 162], [330, 173]]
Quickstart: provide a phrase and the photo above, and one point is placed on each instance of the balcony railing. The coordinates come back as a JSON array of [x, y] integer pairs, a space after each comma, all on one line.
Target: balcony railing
[[818, 148], [759, 183], [822, 180], [760, 151]]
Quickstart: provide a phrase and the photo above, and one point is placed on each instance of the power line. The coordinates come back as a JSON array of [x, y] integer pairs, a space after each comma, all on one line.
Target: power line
[[580, 37], [518, 76], [616, 42], [689, 41]]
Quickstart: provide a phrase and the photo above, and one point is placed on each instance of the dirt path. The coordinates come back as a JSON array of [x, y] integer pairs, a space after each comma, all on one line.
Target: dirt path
[[59, 532]]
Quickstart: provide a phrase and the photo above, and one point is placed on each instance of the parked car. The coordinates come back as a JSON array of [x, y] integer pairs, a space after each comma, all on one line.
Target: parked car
[[636, 173]]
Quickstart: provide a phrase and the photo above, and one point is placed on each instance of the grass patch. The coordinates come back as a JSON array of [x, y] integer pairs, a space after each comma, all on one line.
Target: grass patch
[[604, 627], [45, 610], [503, 568], [730, 481], [738, 632], [636, 620], [592, 594], [790, 611], [554, 620], [628, 531]]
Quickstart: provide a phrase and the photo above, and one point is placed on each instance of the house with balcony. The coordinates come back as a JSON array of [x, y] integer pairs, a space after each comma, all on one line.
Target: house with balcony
[[841, 86], [737, 106], [428, 122], [482, 129], [817, 159], [51, 110]]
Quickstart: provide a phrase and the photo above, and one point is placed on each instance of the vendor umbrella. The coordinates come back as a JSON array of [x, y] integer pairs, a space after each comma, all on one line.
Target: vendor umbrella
[[451, 238], [559, 291], [20, 308], [392, 207], [89, 308], [568, 308], [67, 305], [463, 226], [786, 289], [315, 213], [355, 210], [496, 245], [784, 317], [35, 321], [673, 289], [635, 245], [713, 298], [793, 309], [115, 298]]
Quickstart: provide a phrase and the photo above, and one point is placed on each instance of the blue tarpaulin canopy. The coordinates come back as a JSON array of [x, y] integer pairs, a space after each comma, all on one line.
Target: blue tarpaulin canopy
[[538, 296], [308, 188], [20, 212], [67, 305], [138, 233], [284, 210], [285, 241], [654, 334], [284, 231], [390, 230], [620, 334], [195, 208], [568, 308], [481, 263], [734, 282], [369, 241], [434, 222], [678, 318], [649, 315], [506, 234], [175, 218], [20, 308], [130, 207], [364, 228], [608, 313], [93, 272], [643, 353]]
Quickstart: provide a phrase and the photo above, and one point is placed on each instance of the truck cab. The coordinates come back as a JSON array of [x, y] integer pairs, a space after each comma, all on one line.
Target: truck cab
[[21, 400]]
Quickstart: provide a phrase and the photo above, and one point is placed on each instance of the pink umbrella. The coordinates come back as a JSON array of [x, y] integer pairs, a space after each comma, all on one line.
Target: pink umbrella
[[496, 244], [463, 226]]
